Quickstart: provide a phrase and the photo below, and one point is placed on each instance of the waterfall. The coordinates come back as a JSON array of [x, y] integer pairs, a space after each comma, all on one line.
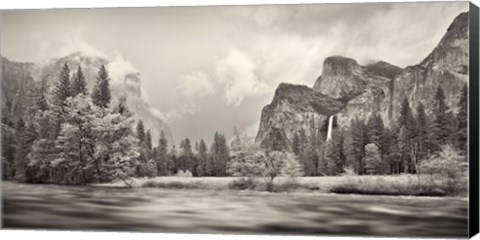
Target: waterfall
[[330, 125]]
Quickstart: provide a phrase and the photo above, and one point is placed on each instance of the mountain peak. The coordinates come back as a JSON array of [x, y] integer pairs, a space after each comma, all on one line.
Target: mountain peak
[[452, 51]]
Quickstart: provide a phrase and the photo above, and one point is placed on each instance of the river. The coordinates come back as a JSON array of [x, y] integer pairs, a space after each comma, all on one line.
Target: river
[[27, 206]]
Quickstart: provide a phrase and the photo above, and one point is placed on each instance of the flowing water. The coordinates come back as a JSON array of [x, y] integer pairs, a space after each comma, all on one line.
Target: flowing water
[[199, 211]]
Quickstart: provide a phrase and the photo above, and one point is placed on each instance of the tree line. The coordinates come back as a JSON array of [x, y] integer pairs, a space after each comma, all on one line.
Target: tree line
[[68, 135], [197, 160], [71, 136], [372, 148]]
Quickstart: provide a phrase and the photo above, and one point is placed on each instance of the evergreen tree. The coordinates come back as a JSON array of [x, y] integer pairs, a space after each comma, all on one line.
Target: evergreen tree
[[334, 155], [44, 147], [8, 151], [141, 135], [408, 142], [172, 164], [62, 88], [441, 129], [148, 139], [202, 159], [25, 137], [122, 107], [422, 132], [186, 159], [40, 102], [354, 146], [79, 84], [101, 94], [372, 159], [219, 155], [162, 155], [462, 126], [375, 130], [393, 158]]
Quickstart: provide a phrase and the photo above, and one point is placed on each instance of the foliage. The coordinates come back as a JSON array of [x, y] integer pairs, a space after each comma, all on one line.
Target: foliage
[[161, 156], [79, 84], [219, 155], [354, 146], [101, 95], [251, 161], [462, 118], [441, 129], [182, 173], [448, 165], [62, 88], [372, 159]]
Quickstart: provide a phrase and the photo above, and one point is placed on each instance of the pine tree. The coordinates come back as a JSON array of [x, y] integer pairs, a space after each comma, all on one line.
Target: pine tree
[[408, 142], [334, 155], [372, 159], [392, 158], [79, 84], [202, 159], [44, 147], [354, 146], [141, 132], [148, 139], [40, 97], [441, 129], [172, 164], [220, 155], [122, 107], [101, 94], [25, 137], [186, 156], [8, 151], [162, 155], [462, 117], [422, 132], [62, 88], [375, 130]]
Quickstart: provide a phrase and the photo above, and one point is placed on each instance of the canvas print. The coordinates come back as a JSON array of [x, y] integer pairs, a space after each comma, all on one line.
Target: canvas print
[[315, 119]]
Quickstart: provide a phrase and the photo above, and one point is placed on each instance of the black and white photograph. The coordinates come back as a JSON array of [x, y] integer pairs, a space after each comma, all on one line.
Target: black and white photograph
[[331, 119]]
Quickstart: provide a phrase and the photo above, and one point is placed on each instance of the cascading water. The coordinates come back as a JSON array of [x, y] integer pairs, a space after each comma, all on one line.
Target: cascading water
[[330, 125]]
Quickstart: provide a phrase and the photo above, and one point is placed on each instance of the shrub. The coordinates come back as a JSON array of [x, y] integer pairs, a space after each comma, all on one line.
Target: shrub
[[181, 173], [242, 184], [448, 167]]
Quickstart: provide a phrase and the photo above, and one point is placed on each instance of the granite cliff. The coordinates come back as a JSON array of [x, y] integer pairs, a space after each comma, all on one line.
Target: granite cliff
[[348, 90]]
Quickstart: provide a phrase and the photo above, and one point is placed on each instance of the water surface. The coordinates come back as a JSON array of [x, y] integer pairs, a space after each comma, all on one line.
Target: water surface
[[29, 206]]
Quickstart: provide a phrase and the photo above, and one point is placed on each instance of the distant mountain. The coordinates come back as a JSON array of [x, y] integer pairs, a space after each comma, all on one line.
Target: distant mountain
[[358, 91], [124, 82]]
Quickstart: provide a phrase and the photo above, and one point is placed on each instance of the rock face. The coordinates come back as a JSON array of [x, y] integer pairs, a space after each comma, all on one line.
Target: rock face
[[359, 91], [124, 82], [295, 107], [16, 82]]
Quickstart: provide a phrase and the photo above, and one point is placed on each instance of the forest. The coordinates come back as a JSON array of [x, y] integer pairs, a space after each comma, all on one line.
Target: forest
[[69, 135]]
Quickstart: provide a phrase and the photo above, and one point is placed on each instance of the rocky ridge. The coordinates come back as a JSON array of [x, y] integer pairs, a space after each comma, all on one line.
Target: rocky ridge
[[360, 90]]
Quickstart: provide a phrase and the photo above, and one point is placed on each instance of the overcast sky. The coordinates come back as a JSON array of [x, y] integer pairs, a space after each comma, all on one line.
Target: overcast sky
[[209, 69]]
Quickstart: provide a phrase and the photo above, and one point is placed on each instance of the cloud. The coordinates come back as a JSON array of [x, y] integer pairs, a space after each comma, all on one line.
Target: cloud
[[237, 72], [119, 67], [196, 85], [179, 113], [71, 44]]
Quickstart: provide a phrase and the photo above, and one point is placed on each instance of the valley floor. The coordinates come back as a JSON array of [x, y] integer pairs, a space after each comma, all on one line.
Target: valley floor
[[28, 206]]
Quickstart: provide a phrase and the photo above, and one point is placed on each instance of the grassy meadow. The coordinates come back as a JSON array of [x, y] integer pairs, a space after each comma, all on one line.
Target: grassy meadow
[[404, 184]]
